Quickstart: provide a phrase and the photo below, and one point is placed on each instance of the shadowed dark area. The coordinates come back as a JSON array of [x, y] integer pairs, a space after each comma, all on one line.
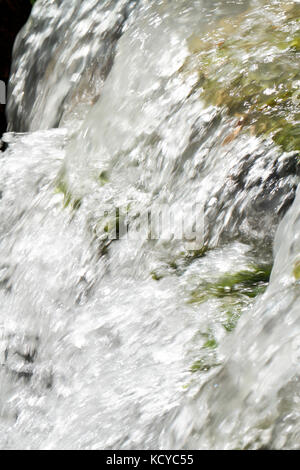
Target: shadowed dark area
[[13, 15]]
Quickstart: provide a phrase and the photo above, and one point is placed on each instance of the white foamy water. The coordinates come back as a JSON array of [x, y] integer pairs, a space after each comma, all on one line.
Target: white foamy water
[[138, 344]]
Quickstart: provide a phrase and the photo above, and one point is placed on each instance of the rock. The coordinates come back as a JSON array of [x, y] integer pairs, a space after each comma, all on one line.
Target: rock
[[13, 16]]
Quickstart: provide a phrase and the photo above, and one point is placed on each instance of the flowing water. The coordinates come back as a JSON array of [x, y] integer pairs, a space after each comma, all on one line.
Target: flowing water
[[109, 342]]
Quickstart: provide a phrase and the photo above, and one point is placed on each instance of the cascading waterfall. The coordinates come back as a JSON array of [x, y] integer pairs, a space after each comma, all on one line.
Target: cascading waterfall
[[151, 343]]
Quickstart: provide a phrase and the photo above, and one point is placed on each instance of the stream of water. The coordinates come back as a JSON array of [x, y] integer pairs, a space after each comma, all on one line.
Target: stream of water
[[140, 342]]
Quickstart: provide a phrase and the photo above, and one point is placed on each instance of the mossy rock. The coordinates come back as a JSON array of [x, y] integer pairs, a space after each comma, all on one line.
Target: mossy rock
[[208, 359], [103, 178], [296, 270], [69, 200], [249, 67], [179, 263], [233, 310], [211, 344], [246, 283], [235, 292], [202, 366]]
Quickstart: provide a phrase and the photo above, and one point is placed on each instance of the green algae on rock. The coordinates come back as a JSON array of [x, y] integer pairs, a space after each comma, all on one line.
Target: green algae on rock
[[69, 200], [208, 358], [234, 292], [249, 67], [296, 270], [179, 263], [248, 283], [202, 366]]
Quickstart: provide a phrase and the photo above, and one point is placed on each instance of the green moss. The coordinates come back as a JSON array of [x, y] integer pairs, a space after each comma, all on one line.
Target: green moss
[[208, 358], [186, 386], [69, 201], [211, 344], [295, 44], [296, 270], [249, 283], [179, 264], [192, 255], [202, 366], [235, 291], [156, 276], [232, 312], [249, 67], [103, 178], [185, 258]]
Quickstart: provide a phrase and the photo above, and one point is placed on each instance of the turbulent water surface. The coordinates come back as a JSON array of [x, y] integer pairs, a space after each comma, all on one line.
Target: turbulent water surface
[[152, 343]]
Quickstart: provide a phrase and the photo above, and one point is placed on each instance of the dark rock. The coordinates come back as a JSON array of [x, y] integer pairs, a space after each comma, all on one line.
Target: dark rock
[[14, 14]]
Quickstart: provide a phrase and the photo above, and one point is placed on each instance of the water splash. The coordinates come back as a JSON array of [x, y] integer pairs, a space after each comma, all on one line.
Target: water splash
[[134, 344]]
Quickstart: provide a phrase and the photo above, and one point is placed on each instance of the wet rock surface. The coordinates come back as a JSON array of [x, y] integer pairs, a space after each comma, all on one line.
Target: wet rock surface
[[13, 16], [63, 83]]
